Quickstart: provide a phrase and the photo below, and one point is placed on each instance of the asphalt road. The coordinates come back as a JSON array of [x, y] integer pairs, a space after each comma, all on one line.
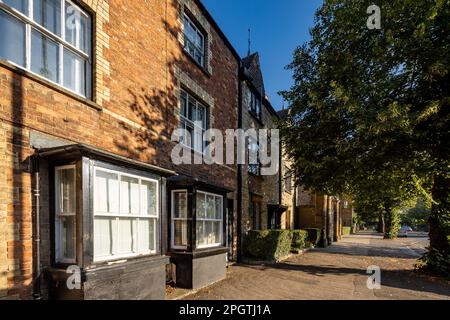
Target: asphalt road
[[337, 272]]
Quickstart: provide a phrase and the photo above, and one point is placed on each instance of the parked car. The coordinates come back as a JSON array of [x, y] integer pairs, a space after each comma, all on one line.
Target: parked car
[[403, 232]]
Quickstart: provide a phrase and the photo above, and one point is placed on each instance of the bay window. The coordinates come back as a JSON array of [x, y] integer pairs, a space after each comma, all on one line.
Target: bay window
[[207, 225], [179, 219], [51, 39], [126, 215], [209, 220], [193, 120], [65, 217]]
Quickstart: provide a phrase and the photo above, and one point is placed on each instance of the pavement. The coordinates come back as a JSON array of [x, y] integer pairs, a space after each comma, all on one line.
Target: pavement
[[338, 272]]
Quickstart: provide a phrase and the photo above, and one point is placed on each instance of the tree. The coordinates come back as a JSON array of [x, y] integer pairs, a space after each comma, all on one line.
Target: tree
[[384, 193], [418, 215], [375, 103]]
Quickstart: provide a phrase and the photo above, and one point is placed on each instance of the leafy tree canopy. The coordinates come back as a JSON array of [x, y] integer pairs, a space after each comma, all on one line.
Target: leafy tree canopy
[[370, 109]]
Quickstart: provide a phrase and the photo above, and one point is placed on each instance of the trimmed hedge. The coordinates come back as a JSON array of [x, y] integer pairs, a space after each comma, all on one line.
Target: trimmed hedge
[[314, 236], [268, 245], [346, 231], [299, 239]]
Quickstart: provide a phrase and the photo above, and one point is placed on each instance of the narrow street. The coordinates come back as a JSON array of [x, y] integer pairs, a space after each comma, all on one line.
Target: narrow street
[[337, 272]]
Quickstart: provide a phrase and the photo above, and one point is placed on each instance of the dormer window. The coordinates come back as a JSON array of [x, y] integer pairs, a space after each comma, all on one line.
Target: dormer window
[[194, 41]]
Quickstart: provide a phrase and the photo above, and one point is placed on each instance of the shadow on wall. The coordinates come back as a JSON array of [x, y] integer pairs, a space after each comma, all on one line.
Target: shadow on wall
[[19, 203], [156, 110]]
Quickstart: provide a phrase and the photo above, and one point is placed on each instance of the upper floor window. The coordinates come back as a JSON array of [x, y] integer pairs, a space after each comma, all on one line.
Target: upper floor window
[[194, 41], [50, 38], [194, 122], [254, 103], [254, 165], [288, 180]]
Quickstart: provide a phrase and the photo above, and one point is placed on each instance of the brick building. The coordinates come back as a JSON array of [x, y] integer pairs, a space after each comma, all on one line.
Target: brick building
[[90, 94]]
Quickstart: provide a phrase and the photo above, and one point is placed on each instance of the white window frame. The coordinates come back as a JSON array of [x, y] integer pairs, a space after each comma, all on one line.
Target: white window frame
[[31, 25], [186, 122], [203, 220], [136, 217], [172, 219], [59, 215], [202, 36]]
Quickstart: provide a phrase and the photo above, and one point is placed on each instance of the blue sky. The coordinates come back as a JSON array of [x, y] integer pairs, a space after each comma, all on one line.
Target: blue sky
[[277, 28]]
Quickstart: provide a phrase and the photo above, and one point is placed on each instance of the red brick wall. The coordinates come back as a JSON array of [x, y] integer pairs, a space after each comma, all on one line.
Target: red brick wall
[[136, 118]]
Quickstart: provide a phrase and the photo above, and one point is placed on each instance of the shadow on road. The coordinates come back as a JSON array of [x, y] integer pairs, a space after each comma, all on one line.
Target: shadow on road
[[401, 279], [364, 251]]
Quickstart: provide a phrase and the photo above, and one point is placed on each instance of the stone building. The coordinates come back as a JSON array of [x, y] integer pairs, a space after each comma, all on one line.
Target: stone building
[[90, 94], [258, 195], [316, 210]]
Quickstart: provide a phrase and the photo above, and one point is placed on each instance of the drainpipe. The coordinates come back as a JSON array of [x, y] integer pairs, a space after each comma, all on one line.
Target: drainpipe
[[37, 238], [239, 174]]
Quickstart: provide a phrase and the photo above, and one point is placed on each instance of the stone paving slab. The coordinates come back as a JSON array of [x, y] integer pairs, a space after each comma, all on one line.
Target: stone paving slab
[[335, 273]]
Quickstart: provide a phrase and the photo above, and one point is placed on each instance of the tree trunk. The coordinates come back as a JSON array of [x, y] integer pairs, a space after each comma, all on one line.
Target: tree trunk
[[387, 223], [381, 225], [391, 218], [438, 257]]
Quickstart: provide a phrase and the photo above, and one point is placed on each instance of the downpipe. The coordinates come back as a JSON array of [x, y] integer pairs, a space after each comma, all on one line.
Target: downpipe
[[37, 294]]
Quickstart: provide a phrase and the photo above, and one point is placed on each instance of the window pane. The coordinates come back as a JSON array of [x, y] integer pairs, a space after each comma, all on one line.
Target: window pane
[[78, 28], [198, 139], [74, 72], [201, 239], [189, 133], [129, 195], [191, 110], [198, 56], [180, 205], [149, 198], [20, 5], [106, 196], [180, 233], [219, 210], [183, 107], [44, 56], [210, 207], [200, 116], [217, 232], [125, 242], [67, 237], [12, 39], [48, 14], [201, 205], [67, 192], [209, 234], [146, 235], [104, 231]]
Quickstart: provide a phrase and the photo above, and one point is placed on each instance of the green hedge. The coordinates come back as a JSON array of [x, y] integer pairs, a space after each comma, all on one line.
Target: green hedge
[[268, 245], [346, 231], [299, 239], [314, 236]]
